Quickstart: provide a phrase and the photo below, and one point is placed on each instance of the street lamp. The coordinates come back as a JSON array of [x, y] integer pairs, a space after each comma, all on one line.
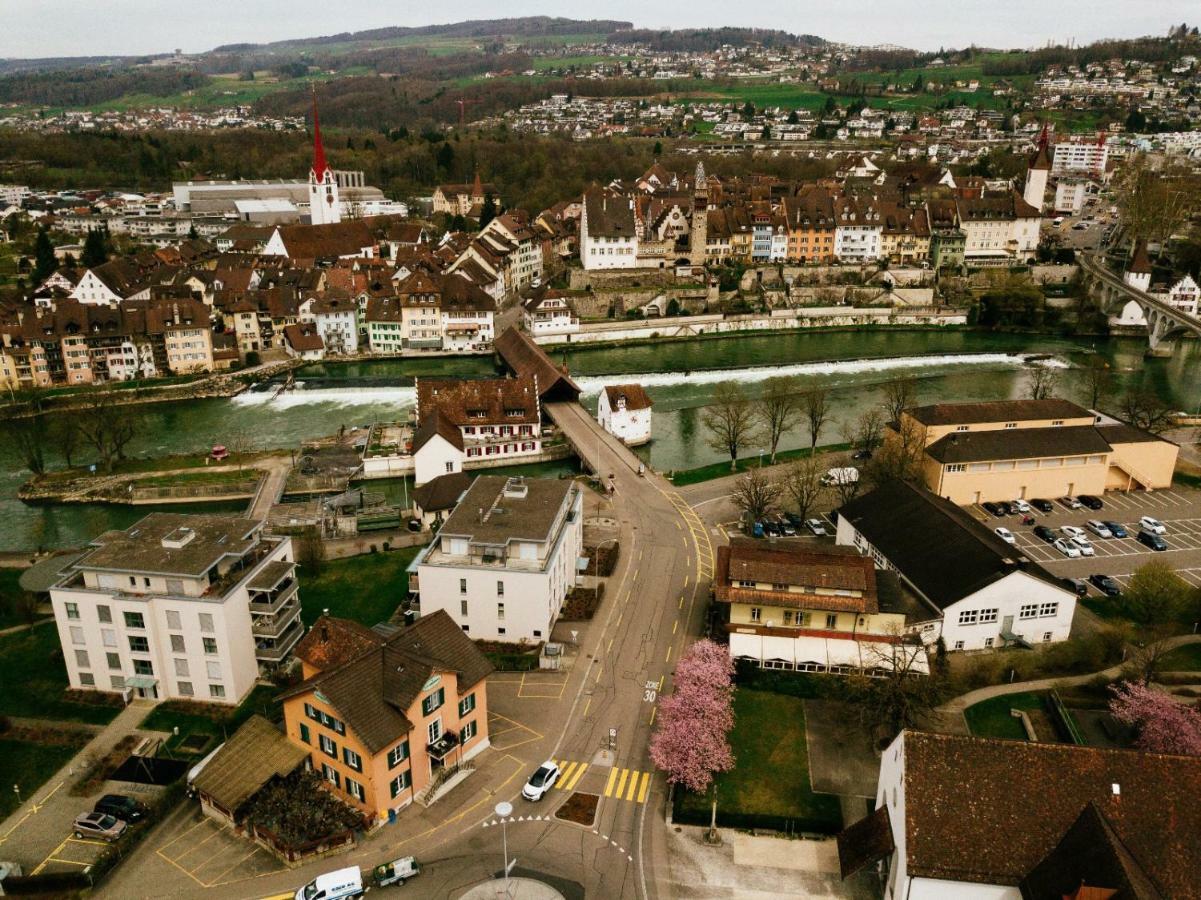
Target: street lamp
[[504, 809]]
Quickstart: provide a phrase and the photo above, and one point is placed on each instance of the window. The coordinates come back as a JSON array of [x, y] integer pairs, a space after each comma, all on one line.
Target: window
[[181, 668], [434, 730], [1028, 611], [397, 755], [1048, 609], [500, 611], [109, 637], [77, 635], [214, 670], [756, 614], [143, 667], [216, 691], [173, 621], [988, 642], [174, 586], [1011, 424], [1057, 421], [210, 646], [134, 620], [117, 682], [114, 661], [463, 608], [500, 588], [105, 613], [139, 644], [399, 783], [328, 747], [331, 775], [462, 585], [957, 467], [72, 610], [831, 620], [354, 788], [961, 428], [177, 645], [87, 679], [206, 622], [1046, 637], [81, 659], [969, 617], [988, 615], [433, 702], [305, 734], [467, 732], [352, 759], [466, 705], [185, 689], [959, 645]]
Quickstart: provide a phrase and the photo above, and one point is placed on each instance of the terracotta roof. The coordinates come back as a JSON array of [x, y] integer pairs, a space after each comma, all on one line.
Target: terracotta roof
[[635, 396], [526, 358], [608, 214], [990, 811], [479, 401], [326, 241], [255, 753], [828, 568], [303, 338], [1140, 262], [997, 411], [334, 642]]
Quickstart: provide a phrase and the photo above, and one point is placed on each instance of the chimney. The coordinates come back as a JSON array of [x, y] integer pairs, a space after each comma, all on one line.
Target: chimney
[[325, 612], [324, 633]]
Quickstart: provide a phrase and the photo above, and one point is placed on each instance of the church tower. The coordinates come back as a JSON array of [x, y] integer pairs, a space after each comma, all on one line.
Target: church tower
[[698, 238], [1037, 174], [325, 207]]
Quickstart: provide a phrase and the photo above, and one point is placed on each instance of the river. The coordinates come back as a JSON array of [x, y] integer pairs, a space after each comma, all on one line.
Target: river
[[679, 376]]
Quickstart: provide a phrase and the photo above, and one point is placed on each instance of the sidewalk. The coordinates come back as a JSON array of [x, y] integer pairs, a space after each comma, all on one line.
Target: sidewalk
[[43, 820]]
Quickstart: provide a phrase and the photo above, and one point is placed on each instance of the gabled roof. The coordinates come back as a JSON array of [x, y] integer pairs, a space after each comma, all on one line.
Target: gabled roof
[[436, 423], [634, 394], [333, 642], [442, 493], [303, 338], [479, 401], [525, 358], [326, 241], [1017, 443], [255, 753], [823, 569]]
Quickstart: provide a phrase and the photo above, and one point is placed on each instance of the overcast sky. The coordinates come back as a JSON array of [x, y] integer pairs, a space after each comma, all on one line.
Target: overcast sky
[[33, 28]]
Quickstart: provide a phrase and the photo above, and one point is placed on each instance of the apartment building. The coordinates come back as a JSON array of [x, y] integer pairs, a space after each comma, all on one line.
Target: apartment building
[[388, 714], [1080, 157], [504, 560], [176, 606]]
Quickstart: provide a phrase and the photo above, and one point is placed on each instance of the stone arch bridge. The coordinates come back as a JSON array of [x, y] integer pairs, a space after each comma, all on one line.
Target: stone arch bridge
[[1165, 323]]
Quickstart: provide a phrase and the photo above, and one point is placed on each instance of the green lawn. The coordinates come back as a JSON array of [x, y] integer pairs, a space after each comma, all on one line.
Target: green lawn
[[1182, 659], [201, 477], [216, 724], [365, 588], [722, 469], [28, 765], [11, 597], [33, 659], [771, 774], [991, 718]]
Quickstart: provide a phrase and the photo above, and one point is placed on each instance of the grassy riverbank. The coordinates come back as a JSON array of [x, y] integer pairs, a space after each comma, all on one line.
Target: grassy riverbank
[[722, 469]]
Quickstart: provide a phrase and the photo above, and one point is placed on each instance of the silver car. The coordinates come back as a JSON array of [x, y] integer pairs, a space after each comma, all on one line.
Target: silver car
[[99, 825]]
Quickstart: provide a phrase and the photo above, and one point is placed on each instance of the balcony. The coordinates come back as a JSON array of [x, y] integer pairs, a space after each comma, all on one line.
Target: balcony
[[273, 650], [270, 602], [275, 624], [442, 747]]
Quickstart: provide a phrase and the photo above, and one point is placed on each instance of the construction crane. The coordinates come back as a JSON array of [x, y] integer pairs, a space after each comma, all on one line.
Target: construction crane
[[463, 103]]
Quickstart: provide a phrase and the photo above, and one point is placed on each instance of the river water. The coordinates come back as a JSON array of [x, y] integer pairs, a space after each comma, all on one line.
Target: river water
[[679, 377]]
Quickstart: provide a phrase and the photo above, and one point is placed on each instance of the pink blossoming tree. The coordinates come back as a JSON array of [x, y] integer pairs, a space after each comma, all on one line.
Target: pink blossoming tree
[[690, 742], [1164, 725]]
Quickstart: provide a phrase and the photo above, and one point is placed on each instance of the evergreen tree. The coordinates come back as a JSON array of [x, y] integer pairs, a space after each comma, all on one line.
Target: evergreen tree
[[488, 213], [44, 261], [95, 252], [446, 157]]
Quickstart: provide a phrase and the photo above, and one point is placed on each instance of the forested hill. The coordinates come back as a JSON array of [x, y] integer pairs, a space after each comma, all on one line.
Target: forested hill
[[707, 39]]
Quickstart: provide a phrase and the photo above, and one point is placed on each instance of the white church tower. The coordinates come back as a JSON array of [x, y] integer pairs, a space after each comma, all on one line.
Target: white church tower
[[1037, 174], [325, 207]]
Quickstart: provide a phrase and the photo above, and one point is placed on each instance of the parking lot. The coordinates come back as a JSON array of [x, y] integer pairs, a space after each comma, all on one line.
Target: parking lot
[[1179, 509]]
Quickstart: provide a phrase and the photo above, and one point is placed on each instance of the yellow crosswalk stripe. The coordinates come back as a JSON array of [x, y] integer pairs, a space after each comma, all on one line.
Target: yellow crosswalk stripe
[[609, 783], [564, 775], [621, 783], [633, 785], [579, 773], [646, 781]]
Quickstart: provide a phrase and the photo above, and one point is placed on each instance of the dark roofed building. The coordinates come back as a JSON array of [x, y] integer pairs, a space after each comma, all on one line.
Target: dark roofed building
[[525, 358]]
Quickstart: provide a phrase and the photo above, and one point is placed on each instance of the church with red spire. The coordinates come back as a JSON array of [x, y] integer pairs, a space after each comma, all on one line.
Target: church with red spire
[[325, 206]]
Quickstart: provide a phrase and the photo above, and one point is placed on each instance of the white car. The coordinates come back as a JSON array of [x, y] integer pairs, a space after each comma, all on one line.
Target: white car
[[541, 781], [1021, 506], [1153, 525], [1072, 531], [1006, 535], [1083, 545], [817, 527], [1068, 549], [1098, 528]]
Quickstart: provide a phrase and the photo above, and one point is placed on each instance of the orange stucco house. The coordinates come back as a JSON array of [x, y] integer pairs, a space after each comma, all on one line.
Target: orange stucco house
[[387, 717]]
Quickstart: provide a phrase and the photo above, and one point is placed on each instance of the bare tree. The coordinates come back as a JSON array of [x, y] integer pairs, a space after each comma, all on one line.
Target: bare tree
[[1143, 408], [865, 432], [777, 408], [1042, 383], [846, 489], [1155, 197], [814, 404], [67, 438], [900, 457], [730, 420], [310, 550], [899, 395], [1097, 381], [900, 694], [107, 426], [756, 495], [802, 484]]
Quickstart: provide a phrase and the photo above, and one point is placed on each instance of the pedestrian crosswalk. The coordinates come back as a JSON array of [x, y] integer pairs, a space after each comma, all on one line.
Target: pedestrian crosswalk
[[620, 784]]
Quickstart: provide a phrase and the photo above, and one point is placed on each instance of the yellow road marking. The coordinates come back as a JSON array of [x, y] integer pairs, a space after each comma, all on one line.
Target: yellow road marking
[[660, 688], [586, 705], [609, 649], [687, 578], [579, 773], [565, 775], [674, 626], [646, 783], [633, 786], [668, 659], [599, 669], [654, 709], [609, 783], [621, 783], [681, 601]]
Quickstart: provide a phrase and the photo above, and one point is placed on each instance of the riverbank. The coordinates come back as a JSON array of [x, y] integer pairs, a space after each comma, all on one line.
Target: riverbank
[[722, 469]]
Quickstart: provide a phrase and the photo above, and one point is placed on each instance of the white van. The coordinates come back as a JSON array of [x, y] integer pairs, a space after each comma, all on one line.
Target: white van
[[346, 882], [845, 475]]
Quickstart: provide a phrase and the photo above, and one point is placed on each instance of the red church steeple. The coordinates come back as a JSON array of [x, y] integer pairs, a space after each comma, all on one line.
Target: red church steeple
[[320, 166]]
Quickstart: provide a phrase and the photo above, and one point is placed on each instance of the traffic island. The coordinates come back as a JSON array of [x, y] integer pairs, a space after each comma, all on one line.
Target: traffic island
[[579, 808]]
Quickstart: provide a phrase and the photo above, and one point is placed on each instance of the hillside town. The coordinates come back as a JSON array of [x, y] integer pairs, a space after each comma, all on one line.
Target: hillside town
[[801, 500]]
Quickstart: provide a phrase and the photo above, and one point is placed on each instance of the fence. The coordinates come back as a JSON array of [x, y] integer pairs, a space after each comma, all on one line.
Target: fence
[[294, 854], [752, 821]]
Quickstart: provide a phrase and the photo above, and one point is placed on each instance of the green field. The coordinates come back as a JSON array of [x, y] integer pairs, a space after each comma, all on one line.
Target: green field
[[1182, 659], [29, 765], [33, 660], [722, 469], [201, 478], [366, 589], [991, 718], [771, 771]]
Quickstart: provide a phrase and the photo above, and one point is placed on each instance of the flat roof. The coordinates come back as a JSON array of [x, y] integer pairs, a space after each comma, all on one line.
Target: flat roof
[[172, 544], [496, 510]]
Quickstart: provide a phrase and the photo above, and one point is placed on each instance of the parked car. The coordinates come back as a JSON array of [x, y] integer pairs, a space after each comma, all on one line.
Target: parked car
[[1067, 548], [1090, 502], [1006, 535], [1042, 505], [843, 475], [862, 453], [995, 508], [1070, 502], [1117, 529], [1152, 540], [121, 806], [786, 527], [541, 781], [817, 526], [1043, 533], [1020, 506], [794, 520], [1076, 586], [99, 825], [1105, 585], [1083, 545], [1153, 525], [1098, 528], [772, 529], [1072, 531]]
